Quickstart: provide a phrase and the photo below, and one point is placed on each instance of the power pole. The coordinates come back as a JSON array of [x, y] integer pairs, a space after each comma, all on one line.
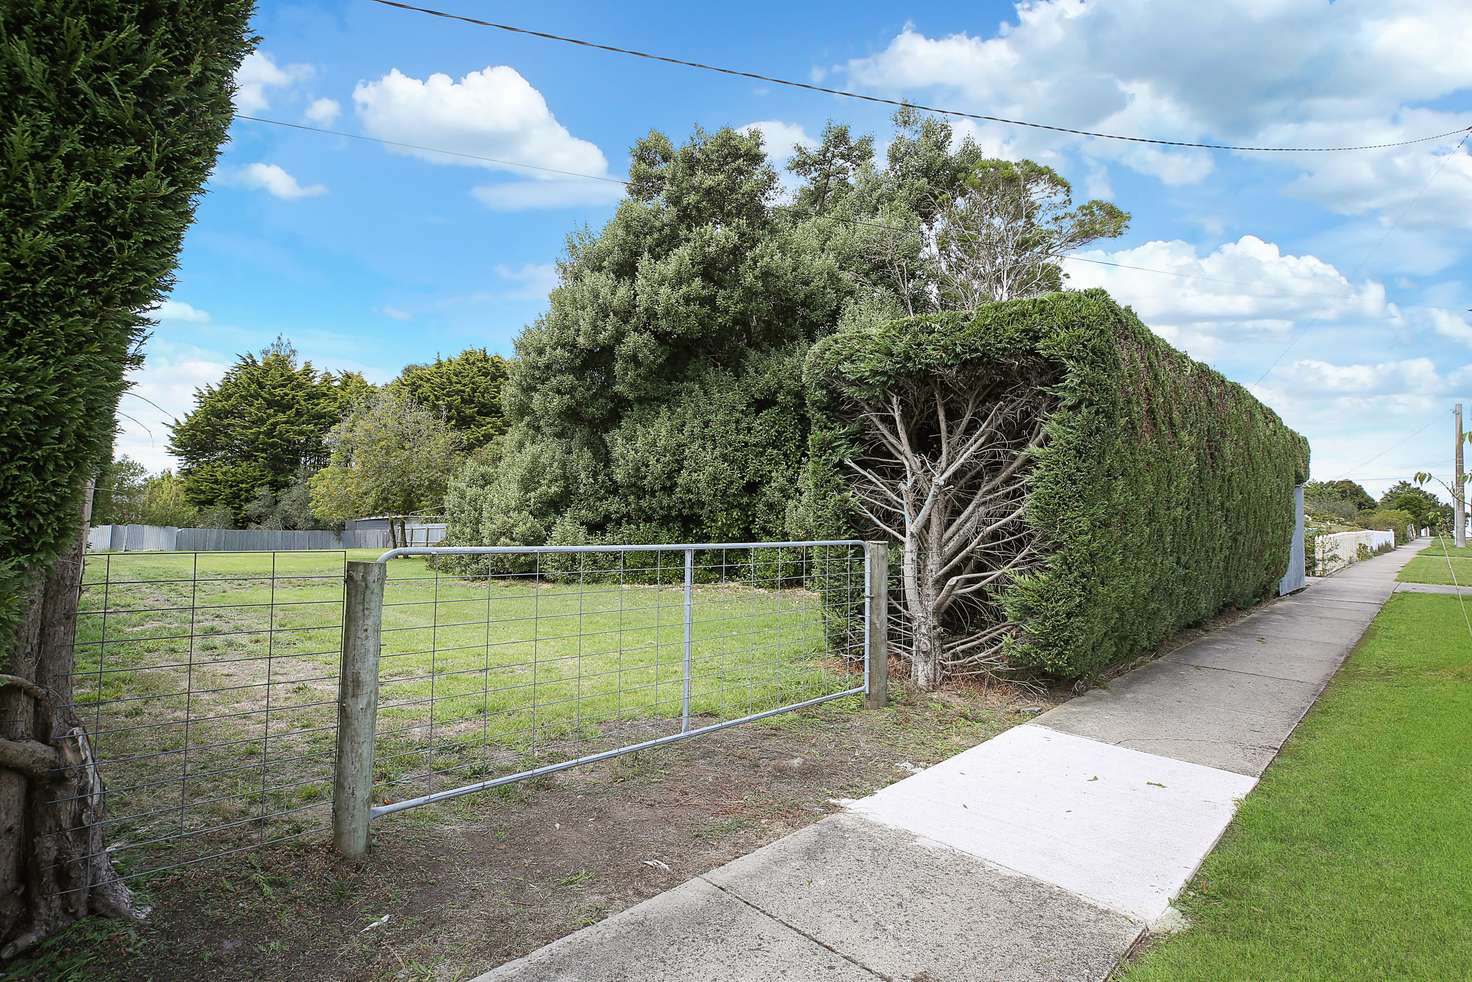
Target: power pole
[[1459, 503]]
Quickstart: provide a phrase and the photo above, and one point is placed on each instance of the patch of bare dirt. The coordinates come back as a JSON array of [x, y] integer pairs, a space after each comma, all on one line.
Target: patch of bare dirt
[[452, 890]]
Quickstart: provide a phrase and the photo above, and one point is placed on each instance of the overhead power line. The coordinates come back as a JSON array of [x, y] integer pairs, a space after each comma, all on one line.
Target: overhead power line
[[828, 217], [866, 97], [324, 131], [1247, 287], [1364, 260], [1394, 446]]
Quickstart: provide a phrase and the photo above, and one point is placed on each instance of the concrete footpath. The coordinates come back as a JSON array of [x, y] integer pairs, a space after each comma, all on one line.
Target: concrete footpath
[[1043, 853]]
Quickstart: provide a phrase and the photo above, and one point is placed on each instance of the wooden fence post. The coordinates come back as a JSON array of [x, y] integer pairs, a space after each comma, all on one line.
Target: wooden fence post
[[357, 707], [876, 658]]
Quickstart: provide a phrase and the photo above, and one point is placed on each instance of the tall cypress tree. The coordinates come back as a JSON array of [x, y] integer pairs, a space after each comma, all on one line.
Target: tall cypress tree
[[259, 429], [111, 116]]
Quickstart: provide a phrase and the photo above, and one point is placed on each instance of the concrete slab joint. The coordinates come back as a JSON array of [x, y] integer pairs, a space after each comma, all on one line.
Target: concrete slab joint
[[1043, 853]]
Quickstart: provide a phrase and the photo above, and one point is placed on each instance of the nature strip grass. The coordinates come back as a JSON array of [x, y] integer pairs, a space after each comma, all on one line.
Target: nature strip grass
[[1350, 861], [1433, 568]]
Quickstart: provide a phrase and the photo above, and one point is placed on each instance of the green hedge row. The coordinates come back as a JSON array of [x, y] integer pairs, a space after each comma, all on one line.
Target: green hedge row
[[1162, 493], [112, 114]]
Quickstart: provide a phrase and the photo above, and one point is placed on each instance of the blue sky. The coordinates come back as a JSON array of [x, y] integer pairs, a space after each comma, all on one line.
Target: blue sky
[[1343, 273]]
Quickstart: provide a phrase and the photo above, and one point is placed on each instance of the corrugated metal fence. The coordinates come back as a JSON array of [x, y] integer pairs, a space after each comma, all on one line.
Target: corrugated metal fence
[[1296, 576], [166, 538]]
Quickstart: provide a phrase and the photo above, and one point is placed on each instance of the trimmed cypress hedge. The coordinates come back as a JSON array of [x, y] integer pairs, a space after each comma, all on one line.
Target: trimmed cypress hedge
[[1162, 492], [112, 113]]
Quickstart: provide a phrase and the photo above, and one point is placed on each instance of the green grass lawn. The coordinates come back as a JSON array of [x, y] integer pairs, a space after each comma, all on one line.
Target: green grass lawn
[[1441, 545], [1351, 859], [213, 701], [1438, 567]]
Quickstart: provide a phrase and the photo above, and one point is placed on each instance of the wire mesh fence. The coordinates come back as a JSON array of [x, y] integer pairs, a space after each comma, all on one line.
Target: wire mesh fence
[[497, 667], [208, 685], [209, 681]]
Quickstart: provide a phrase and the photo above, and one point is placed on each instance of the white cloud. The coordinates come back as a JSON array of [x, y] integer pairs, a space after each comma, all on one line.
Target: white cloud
[[323, 112], [1236, 72], [491, 113], [1097, 184], [177, 311], [532, 281], [780, 138], [163, 390], [1368, 420], [1246, 291], [1311, 376], [1445, 323], [396, 313], [274, 180], [1415, 186], [259, 75]]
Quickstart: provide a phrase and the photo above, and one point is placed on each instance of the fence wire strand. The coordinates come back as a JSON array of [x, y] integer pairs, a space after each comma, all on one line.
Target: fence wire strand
[[579, 654], [209, 681]]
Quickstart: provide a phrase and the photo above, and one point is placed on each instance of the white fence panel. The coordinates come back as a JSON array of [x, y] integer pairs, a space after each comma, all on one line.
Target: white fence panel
[[1335, 550]]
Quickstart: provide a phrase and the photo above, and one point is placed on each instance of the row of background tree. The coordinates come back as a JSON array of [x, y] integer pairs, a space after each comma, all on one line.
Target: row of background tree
[[661, 396], [278, 444], [1342, 504]]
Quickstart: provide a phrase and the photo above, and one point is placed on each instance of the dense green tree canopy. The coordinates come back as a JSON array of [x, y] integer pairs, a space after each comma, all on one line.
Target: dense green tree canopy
[[111, 117], [1423, 506], [126, 493], [391, 456], [1340, 490], [660, 398], [164, 503], [465, 391], [289, 508], [112, 114], [118, 496], [259, 428]]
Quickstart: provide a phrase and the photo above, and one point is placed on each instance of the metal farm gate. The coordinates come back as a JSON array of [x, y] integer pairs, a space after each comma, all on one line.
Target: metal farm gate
[[482, 666], [236, 700]]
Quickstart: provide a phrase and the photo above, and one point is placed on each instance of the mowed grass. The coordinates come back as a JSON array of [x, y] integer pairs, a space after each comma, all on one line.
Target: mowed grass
[[1435, 564], [1442, 545], [1350, 860], [213, 702]]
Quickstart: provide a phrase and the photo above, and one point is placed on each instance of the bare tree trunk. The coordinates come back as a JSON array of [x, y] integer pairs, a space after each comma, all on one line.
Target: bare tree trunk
[[944, 472], [54, 867], [926, 645]]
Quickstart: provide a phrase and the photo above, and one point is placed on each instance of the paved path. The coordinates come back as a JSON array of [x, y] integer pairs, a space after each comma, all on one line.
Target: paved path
[[1465, 589], [1043, 853]]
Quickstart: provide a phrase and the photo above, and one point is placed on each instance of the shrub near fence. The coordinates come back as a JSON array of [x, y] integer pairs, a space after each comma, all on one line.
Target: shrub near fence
[[1390, 520], [1161, 493]]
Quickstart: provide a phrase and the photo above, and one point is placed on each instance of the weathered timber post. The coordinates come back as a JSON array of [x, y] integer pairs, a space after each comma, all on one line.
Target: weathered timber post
[[876, 627], [357, 707]]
